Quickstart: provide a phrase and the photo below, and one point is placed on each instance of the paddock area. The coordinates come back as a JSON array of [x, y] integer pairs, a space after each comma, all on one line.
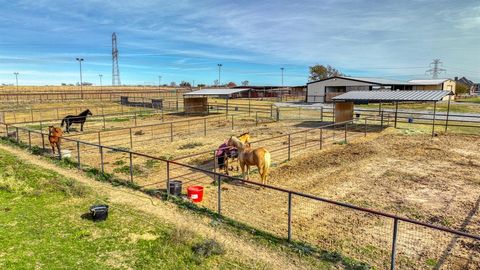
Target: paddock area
[[363, 162]]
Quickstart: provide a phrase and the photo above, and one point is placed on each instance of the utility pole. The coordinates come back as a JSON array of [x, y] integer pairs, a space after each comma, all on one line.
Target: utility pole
[[435, 68], [283, 69], [219, 71], [80, 60], [16, 79], [100, 76]]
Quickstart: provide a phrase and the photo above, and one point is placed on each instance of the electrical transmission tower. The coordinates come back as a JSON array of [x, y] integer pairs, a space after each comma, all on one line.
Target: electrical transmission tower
[[435, 68], [115, 70]]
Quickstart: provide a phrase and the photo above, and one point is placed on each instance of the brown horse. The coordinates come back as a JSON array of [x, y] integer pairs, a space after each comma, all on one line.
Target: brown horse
[[248, 156], [55, 138]]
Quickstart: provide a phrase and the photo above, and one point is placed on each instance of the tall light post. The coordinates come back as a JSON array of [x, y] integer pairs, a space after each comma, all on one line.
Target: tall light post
[[283, 69], [16, 79], [80, 60], [159, 81], [219, 71], [100, 76]]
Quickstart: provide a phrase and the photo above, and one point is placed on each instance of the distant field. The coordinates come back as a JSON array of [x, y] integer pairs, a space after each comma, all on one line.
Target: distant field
[[58, 88]]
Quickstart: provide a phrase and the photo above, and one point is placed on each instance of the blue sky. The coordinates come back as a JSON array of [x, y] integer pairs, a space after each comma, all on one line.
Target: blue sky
[[184, 40]]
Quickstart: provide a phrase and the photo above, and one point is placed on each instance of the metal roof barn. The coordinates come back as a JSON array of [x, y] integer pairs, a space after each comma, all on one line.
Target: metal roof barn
[[398, 96], [392, 96]]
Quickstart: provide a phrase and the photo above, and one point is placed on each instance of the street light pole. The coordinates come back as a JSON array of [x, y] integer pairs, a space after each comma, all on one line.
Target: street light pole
[[80, 60], [282, 74], [100, 76], [219, 71], [16, 79]]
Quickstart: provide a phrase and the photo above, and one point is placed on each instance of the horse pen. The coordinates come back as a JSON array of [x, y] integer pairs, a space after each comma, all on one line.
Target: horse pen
[[151, 150]]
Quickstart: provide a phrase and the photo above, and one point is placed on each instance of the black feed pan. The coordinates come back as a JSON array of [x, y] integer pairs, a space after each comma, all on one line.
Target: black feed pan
[[99, 212]]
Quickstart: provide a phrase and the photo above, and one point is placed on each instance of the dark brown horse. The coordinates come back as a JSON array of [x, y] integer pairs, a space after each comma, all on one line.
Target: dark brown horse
[[79, 119]]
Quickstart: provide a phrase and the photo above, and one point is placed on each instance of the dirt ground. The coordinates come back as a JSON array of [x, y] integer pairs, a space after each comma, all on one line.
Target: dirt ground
[[432, 180]]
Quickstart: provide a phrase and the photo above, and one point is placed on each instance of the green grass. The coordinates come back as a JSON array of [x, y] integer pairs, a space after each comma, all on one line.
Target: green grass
[[191, 145], [41, 227], [473, 100]]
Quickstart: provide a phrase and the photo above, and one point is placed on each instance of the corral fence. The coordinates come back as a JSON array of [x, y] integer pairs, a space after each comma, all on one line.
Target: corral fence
[[383, 240], [52, 96]]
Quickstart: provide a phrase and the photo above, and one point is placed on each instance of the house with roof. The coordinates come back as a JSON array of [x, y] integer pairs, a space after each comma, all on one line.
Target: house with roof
[[322, 91]]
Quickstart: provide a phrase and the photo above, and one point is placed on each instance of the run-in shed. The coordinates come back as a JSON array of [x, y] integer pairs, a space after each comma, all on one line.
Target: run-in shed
[[396, 97], [197, 101]]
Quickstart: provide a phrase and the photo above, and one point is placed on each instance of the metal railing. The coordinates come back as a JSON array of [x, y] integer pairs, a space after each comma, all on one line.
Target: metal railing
[[383, 240]]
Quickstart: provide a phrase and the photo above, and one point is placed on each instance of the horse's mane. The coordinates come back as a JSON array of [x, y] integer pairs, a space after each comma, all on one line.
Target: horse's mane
[[243, 134], [237, 143], [85, 112]]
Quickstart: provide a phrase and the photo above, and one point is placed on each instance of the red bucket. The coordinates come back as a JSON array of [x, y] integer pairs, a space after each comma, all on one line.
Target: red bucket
[[195, 193]]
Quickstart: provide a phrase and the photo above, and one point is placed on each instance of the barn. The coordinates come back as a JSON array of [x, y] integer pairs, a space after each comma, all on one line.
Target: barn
[[322, 91]]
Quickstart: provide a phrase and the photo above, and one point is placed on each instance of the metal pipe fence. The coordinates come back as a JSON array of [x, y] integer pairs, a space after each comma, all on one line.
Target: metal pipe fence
[[383, 240]]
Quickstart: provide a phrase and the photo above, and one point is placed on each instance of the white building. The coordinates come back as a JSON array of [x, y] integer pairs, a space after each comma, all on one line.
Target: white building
[[322, 91]]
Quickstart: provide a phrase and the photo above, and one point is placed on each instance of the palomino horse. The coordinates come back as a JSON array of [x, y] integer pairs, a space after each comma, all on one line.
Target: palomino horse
[[225, 153], [55, 137], [79, 119], [248, 156]]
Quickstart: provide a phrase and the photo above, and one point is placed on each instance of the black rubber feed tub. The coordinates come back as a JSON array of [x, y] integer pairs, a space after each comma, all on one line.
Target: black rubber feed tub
[[99, 212]]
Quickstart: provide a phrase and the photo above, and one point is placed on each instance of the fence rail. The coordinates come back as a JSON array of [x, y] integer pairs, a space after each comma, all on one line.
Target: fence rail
[[383, 240]]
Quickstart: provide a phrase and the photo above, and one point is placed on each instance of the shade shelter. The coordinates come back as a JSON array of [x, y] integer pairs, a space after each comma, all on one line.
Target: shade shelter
[[198, 99], [396, 97]]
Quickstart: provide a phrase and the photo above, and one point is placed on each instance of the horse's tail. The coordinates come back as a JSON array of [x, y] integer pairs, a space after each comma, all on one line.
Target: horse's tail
[[266, 162], [63, 121]]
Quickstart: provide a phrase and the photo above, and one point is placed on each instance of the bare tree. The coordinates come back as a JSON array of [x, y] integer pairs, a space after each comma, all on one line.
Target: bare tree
[[320, 72], [245, 83]]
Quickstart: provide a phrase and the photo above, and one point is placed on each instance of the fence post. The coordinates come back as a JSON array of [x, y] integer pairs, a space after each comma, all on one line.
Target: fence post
[[219, 205], [346, 126], [131, 139], [289, 235], [103, 121], [204, 126], [135, 118], [101, 158], [214, 162], [256, 118], [365, 127], [394, 244], [17, 135], [168, 178], [99, 140], [43, 140], [78, 155], [31, 113], [29, 140], [289, 139], [381, 120], [171, 132], [321, 114], [232, 123], [131, 166]]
